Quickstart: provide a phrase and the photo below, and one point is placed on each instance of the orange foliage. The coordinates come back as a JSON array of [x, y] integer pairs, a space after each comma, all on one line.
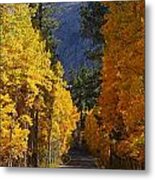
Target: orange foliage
[[122, 96]]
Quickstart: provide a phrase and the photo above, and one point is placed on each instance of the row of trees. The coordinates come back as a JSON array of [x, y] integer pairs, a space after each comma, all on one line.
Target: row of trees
[[36, 111], [86, 82], [116, 125]]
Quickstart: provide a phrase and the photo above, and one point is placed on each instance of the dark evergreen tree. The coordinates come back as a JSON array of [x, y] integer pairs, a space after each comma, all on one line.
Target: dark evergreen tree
[[45, 21], [85, 88], [92, 19]]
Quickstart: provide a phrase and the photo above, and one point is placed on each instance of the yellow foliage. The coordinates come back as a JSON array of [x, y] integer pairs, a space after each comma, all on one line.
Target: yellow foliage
[[37, 113]]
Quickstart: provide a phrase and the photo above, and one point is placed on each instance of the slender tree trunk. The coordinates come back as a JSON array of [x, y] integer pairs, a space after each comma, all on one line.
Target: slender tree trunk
[[10, 154], [30, 145], [33, 141], [1, 164], [40, 16], [49, 145]]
